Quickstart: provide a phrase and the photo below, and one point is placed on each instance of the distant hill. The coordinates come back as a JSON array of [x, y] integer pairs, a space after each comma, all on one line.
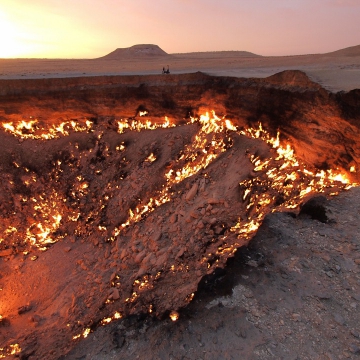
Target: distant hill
[[349, 51], [228, 53], [143, 50]]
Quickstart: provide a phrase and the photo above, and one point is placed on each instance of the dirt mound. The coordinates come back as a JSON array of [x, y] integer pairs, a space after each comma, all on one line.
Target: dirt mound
[[349, 51], [136, 51], [293, 78]]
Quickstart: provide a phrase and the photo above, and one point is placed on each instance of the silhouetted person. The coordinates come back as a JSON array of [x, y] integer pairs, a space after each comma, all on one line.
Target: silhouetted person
[[166, 71]]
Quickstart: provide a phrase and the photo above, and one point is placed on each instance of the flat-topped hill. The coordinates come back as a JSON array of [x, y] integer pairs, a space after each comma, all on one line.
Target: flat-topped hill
[[142, 50]]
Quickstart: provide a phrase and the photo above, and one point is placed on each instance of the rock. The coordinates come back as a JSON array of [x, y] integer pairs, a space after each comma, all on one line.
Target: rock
[[355, 349], [322, 295], [6, 252], [112, 277], [139, 257], [339, 319], [24, 309], [173, 219], [192, 192], [202, 185], [35, 319], [156, 236], [117, 339], [148, 259], [67, 249], [123, 254], [180, 253], [115, 294], [200, 225], [218, 230], [161, 260], [213, 201], [252, 263]]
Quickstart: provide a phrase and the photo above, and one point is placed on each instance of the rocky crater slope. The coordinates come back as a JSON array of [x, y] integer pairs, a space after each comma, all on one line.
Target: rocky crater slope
[[119, 194]]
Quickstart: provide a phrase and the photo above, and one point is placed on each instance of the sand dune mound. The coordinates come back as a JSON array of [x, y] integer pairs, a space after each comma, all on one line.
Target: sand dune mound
[[143, 50], [349, 51]]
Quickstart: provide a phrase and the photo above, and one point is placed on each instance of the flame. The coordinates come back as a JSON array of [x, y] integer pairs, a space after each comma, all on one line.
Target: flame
[[174, 315], [109, 319], [277, 183], [151, 158], [203, 150], [12, 349], [34, 130], [282, 173], [139, 125]]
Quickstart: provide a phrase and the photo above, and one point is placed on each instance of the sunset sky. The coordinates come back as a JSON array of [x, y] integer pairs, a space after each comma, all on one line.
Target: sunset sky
[[93, 28]]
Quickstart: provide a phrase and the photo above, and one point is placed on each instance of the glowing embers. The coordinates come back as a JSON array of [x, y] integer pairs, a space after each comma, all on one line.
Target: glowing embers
[[108, 320], [276, 183], [85, 333], [150, 159], [47, 209], [174, 315], [138, 125], [105, 321], [36, 214], [33, 129], [208, 144], [210, 141], [13, 349], [280, 183]]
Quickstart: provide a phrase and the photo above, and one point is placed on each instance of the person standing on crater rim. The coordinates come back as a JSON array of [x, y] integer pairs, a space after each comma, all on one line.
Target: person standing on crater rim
[[166, 71]]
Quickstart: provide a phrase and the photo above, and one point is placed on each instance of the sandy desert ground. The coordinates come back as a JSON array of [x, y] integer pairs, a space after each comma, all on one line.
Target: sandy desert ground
[[336, 71]]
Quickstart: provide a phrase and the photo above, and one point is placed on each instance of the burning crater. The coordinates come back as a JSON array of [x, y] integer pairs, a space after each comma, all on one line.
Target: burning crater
[[120, 193]]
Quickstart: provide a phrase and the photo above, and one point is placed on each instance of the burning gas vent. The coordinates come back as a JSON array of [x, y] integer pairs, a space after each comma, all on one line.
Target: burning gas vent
[[102, 217]]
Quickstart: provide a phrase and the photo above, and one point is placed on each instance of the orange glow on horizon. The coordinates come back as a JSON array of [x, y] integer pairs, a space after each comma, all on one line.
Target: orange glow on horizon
[[38, 31], [12, 43]]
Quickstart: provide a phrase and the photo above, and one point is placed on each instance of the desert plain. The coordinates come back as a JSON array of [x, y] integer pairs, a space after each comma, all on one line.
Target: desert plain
[[338, 70]]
